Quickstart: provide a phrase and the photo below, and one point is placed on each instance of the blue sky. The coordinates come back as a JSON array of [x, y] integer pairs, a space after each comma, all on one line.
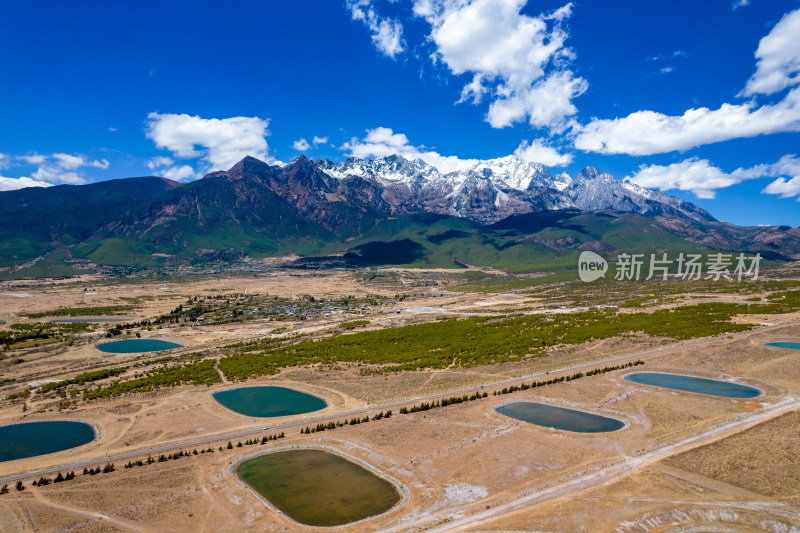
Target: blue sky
[[700, 99]]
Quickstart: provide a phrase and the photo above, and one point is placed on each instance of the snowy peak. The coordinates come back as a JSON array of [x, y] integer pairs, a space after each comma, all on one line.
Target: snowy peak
[[493, 189], [514, 173], [591, 173]]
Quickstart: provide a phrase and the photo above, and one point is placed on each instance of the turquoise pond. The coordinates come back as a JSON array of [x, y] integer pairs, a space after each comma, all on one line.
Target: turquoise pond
[[712, 387], [137, 345], [789, 345], [29, 439], [560, 418], [268, 401]]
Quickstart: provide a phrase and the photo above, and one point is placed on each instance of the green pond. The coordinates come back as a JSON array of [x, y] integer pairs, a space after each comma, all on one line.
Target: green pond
[[266, 401], [318, 488], [137, 345], [29, 439], [559, 417], [789, 345], [712, 387]]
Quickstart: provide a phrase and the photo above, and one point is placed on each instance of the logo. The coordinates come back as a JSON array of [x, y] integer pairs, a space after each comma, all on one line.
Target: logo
[[591, 266]]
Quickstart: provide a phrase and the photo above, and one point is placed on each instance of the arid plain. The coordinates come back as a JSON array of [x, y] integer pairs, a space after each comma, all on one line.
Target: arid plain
[[682, 462]]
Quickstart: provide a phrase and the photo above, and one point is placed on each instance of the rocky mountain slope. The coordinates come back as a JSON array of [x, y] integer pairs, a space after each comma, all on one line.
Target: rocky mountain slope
[[500, 211]]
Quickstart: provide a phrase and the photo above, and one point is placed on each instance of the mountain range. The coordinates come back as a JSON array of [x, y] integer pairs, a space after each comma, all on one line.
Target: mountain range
[[504, 212]]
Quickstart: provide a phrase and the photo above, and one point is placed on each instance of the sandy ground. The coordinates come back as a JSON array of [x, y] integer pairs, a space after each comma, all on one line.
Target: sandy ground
[[684, 461]]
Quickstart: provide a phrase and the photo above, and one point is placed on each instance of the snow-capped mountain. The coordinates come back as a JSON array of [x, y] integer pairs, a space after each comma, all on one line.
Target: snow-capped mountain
[[494, 189]]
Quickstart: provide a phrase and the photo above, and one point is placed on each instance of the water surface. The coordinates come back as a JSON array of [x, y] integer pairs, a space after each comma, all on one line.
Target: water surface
[[29, 439], [789, 345], [559, 417], [319, 488], [267, 401], [712, 387], [137, 345]]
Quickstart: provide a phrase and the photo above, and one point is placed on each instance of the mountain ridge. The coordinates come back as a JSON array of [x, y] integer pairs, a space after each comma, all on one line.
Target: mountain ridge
[[500, 211]]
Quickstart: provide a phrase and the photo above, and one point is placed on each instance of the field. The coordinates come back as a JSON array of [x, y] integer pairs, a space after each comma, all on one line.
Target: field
[[416, 343]]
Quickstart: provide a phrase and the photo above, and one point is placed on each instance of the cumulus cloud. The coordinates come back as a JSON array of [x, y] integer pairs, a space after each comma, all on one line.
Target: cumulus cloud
[[221, 143], [71, 162], [387, 33], [517, 60], [778, 58], [12, 184], [785, 188], [383, 142], [739, 3], [301, 145], [57, 168], [537, 152], [650, 132], [160, 161], [4, 161], [319, 140], [703, 178], [163, 166], [34, 159], [788, 166]]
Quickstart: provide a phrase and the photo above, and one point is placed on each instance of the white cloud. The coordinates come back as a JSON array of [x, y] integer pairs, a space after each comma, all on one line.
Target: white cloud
[[34, 159], [71, 162], [778, 58], [538, 152], [163, 166], [301, 145], [54, 174], [666, 70], [159, 161], [387, 33], [112, 129], [739, 3], [51, 169], [383, 142], [702, 178], [219, 142], [784, 188], [788, 166], [650, 132], [12, 184], [182, 172], [546, 104], [517, 59], [319, 140], [696, 175]]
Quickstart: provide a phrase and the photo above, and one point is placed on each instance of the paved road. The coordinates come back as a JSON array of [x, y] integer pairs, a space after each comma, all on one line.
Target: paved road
[[600, 476], [372, 408]]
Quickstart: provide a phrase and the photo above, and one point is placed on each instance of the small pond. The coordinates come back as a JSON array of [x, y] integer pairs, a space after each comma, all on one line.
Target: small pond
[[267, 401], [137, 345], [319, 488], [679, 382], [789, 345], [29, 439], [559, 417]]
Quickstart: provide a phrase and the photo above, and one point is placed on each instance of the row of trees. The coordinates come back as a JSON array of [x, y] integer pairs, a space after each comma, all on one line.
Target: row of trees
[[444, 402], [352, 422]]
